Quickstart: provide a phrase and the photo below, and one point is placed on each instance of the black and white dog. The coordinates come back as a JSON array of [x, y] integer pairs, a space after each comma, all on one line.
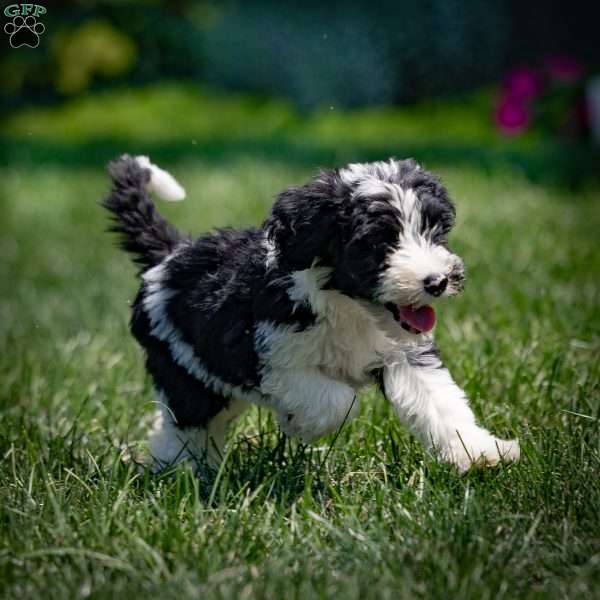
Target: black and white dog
[[332, 292]]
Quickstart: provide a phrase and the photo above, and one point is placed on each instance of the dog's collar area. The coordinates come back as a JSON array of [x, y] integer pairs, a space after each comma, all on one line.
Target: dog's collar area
[[414, 320]]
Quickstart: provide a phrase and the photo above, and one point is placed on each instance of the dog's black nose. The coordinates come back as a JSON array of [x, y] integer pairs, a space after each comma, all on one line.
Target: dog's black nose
[[435, 284]]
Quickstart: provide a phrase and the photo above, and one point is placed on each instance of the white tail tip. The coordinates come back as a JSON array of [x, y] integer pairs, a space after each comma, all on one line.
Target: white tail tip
[[161, 181]]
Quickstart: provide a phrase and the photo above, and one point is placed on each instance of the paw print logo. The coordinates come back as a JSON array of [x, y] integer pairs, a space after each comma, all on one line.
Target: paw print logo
[[24, 31]]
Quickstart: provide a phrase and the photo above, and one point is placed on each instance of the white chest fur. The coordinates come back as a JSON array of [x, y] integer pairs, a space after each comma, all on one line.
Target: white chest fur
[[346, 342]]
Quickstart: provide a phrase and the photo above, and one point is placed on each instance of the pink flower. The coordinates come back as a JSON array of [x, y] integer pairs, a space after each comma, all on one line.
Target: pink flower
[[564, 68], [512, 115], [523, 83]]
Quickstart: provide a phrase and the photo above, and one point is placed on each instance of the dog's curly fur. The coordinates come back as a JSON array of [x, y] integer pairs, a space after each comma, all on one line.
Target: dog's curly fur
[[332, 292]]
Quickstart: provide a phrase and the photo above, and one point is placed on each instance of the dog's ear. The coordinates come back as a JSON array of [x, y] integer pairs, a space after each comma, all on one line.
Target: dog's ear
[[307, 220]]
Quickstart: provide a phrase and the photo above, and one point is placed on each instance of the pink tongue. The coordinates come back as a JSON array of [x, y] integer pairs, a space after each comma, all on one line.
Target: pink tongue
[[422, 318]]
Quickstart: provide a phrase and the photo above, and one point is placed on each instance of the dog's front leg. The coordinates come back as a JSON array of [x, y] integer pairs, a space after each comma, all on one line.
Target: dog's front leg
[[308, 404], [426, 398]]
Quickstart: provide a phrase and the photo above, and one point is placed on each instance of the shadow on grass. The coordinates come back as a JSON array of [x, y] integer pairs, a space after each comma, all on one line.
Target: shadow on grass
[[552, 162]]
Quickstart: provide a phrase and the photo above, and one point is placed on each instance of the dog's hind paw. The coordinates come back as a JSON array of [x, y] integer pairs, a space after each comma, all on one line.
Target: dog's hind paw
[[307, 432], [292, 426]]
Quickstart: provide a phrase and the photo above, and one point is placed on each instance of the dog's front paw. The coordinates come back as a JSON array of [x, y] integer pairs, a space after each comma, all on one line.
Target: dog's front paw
[[478, 448]]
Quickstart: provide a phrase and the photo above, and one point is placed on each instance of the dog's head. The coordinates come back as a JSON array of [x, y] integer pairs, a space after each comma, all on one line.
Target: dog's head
[[381, 228]]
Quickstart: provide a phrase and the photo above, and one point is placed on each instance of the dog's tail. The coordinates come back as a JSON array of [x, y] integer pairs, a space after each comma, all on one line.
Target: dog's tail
[[143, 231]]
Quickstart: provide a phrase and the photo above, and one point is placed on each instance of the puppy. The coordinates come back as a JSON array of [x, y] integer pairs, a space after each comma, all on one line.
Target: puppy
[[333, 291]]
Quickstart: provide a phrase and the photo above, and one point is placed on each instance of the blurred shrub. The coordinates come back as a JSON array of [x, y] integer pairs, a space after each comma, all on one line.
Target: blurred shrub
[[90, 45], [94, 47], [318, 54], [162, 113], [548, 97], [354, 54]]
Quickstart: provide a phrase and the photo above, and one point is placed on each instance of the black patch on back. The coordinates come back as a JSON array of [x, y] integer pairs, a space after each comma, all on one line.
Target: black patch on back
[[215, 279], [223, 290], [272, 303]]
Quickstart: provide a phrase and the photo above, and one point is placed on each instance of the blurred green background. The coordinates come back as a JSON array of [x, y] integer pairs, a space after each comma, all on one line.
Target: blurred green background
[[451, 82], [348, 54]]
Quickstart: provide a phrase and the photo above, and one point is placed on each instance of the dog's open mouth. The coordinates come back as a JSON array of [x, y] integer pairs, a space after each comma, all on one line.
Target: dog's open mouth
[[414, 320]]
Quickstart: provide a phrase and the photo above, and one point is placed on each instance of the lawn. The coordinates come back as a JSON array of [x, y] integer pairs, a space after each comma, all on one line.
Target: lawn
[[366, 514]]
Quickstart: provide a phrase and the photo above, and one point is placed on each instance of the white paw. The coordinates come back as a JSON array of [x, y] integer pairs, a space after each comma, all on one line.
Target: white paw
[[294, 427], [478, 449], [288, 424], [311, 427]]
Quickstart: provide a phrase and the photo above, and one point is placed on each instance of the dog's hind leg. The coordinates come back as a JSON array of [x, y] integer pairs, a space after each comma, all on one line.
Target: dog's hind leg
[[169, 444], [192, 419]]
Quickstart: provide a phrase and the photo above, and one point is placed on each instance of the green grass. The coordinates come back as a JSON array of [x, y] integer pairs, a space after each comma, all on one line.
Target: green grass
[[371, 517]]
